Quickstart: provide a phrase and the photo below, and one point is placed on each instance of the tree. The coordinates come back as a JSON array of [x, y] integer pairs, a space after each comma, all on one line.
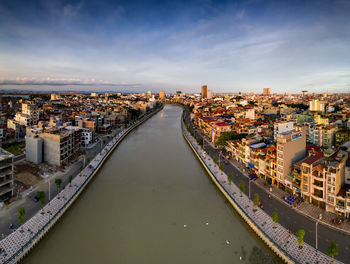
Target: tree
[[300, 236], [232, 135], [332, 250], [230, 178], [70, 178], [88, 160], [21, 213], [215, 160], [94, 153], [58, 182], [241, 187], [274, 219], [41, 196], [256, 201], [222, 166]]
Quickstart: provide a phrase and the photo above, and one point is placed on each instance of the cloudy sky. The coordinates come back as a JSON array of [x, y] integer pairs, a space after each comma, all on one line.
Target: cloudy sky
[[231, 46]]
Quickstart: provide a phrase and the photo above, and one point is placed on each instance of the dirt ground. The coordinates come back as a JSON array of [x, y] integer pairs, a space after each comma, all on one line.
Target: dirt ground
[[27, 174]]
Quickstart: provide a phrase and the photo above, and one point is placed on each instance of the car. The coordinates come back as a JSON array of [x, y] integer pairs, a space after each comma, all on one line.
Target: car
[[36, 199]]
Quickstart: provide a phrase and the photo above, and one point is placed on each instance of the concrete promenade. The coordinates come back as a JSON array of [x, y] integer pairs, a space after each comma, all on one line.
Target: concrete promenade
[[275, 236], [16, 245]]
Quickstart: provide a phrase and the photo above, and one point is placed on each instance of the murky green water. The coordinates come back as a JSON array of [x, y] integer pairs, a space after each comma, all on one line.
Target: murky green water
[[135, 210]]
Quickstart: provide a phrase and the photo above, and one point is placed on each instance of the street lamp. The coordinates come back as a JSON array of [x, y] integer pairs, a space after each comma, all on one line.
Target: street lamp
[[249, 188], [49, 189]]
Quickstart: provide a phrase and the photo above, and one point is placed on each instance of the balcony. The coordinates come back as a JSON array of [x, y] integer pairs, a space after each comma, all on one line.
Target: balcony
[[318, 184]]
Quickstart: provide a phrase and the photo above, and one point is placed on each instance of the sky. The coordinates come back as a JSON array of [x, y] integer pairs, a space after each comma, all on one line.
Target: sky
[[129, 45]]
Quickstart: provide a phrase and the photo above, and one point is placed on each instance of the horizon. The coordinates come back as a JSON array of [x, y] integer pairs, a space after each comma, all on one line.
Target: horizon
[[133, 46]]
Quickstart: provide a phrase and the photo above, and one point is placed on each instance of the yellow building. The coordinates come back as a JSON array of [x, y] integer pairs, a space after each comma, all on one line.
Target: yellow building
[[320, 120]]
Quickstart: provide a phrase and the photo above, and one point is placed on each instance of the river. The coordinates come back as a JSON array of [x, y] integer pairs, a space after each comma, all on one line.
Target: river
[[151, 202]]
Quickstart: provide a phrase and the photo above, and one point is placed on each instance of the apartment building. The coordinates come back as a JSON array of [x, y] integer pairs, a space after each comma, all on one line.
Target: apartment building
[[59, 145], [317, 106], [342, 136], [291, 147], [6, 175], [303, 181], [335, 170], [282, 127], [29, 115]]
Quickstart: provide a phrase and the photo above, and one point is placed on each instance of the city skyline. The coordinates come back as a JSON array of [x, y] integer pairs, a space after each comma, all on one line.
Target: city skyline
[[240, 46]]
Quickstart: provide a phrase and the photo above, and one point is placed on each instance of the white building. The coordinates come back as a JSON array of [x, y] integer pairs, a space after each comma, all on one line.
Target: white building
[[282, 127], [250, 113], [86, 137], [29, 115]]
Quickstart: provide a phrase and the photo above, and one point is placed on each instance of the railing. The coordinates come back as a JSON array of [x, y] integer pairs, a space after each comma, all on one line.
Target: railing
[[243, 210], [53, 218]]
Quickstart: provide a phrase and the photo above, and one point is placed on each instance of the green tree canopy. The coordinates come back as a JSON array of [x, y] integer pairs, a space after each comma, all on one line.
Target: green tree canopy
[[241, 186], [256, 200], [275, 217], [232, 135], [300, 236], [41, 196], [230, 178], [21, 213], [222, 166], [332, 249]]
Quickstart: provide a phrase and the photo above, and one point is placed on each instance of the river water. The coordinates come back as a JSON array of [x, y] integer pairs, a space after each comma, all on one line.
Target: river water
[[151, 202]]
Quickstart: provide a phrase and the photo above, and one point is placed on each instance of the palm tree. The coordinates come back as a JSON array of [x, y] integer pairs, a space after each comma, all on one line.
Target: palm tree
[[274, 219], [241, 187], [300, 236], [332, 250], [256, 201], [230, 178], [58, 182], [42, 196], [70, 178], [21, 213]]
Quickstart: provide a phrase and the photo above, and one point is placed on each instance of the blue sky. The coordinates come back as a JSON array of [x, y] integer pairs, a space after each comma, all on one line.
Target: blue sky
[[231, 46]]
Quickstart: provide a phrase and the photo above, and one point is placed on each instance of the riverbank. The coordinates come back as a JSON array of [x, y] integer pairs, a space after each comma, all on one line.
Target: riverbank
[[20, 242], [276, 237]]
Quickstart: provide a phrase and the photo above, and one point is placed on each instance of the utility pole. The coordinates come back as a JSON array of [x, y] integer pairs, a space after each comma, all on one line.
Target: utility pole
[[316, 235]]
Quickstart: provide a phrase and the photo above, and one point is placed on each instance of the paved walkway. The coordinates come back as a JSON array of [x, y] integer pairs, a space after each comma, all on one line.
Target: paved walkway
[[279, 235], [13, 246]]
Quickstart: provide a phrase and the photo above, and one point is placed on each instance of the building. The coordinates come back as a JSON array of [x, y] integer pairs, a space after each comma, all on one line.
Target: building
[[282, 127], [161, 95], [34, 149], [342, 136], [29, 115], [6, 175], [55, 97], [317, 106], [335, 172], [60, 145], [209, 94], [267, 91], [86, 137], [321, 120], [291, 147], [204, 92], [149, 93]]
